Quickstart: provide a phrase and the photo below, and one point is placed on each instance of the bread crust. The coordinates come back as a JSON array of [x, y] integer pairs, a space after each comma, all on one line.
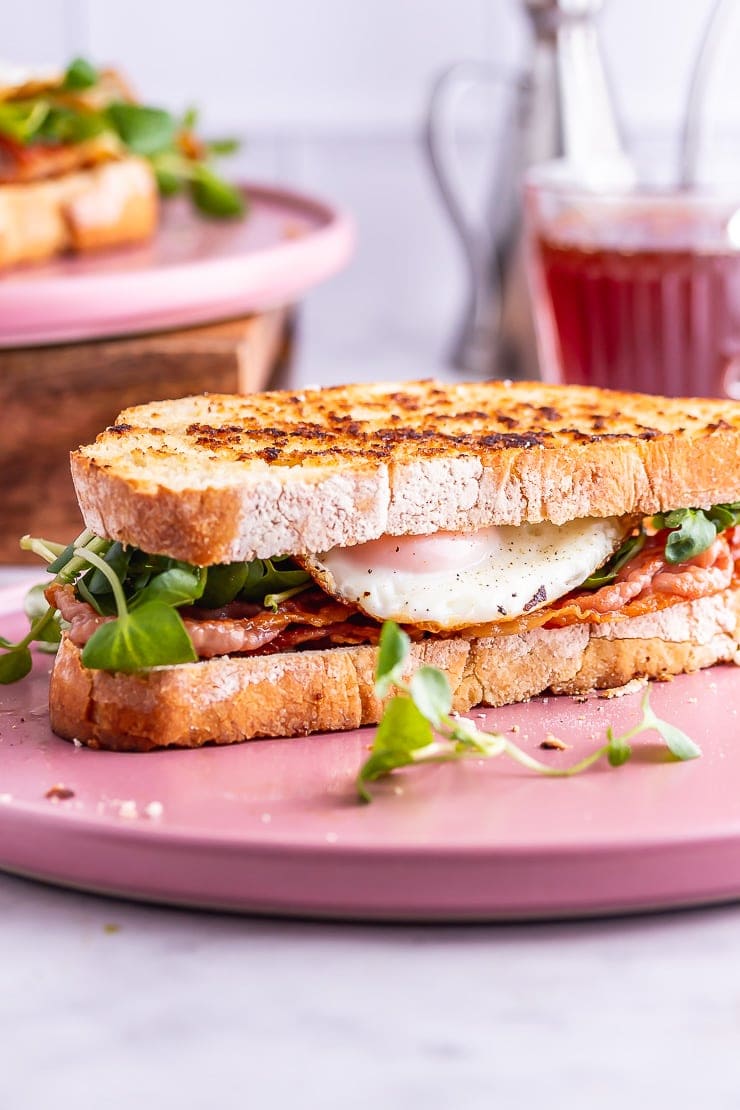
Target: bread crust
[[106, 205], [225, 700], [218, 478]]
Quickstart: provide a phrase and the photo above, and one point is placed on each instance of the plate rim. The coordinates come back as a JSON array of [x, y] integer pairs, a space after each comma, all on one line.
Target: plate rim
[[334, 241], [252, 869]]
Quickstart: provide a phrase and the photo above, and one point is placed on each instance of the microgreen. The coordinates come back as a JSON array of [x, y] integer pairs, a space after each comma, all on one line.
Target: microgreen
[[606, 574], [416, 726], [212, 195], [15, 659], [692, 531], [272, 601], [180, 585], [80, 74], [149, 636], [20, 120], [62, 124], [144, 130], [139, 595], [223, 583], [271, 576], [393, 650]]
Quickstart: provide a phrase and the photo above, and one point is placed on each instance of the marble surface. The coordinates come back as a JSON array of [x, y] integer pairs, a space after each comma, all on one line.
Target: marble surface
[[108, 1005], [112, 1005]]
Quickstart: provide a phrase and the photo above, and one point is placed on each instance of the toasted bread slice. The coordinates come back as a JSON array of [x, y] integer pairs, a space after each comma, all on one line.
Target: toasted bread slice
[[228, 699], [105, 205], [219, 478]]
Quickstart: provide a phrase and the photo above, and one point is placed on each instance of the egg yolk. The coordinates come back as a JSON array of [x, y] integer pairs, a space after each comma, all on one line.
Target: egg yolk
[[422, 554]]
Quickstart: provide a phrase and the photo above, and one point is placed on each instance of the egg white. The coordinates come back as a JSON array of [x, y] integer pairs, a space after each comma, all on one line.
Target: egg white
[[501, 573]]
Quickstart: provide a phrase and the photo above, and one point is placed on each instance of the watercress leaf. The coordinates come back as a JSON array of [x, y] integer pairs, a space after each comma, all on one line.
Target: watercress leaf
[[403, 728], [611, 568], [678, 743], [721, 517], [151, 636], [67, 125], [177, 586], [271, 576], [724, 516], [80, 74], [15, 665], [431, 694], [223, 583], [393, 650], [675, 517], [168, 183], [144, 130], [374, 767], [22, 119], [213, 196], [253, 590], [117, 557], [694, 534], [401, 732]]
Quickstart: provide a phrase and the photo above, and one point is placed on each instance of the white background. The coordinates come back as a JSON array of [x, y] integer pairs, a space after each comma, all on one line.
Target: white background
[[341, 66]]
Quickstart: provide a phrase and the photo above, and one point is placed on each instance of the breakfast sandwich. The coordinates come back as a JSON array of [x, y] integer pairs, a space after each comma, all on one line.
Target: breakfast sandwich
[[241, 554]]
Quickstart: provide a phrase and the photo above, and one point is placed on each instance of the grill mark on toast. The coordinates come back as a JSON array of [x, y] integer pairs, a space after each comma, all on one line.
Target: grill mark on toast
[[305, 470]]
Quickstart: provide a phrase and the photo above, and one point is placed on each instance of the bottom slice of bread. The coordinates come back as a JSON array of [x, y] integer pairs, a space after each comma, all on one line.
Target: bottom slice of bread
[[102, 206], [227, 699]]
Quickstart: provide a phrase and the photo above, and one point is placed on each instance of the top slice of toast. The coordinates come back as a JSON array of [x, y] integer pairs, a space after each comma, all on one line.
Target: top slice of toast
[[217, 478]]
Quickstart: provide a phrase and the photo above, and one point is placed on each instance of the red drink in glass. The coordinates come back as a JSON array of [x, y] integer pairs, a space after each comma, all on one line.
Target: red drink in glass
[[638, 292]]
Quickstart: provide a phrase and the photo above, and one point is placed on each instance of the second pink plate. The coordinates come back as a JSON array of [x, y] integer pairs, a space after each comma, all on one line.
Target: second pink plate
[[194, 271], [275, 826]]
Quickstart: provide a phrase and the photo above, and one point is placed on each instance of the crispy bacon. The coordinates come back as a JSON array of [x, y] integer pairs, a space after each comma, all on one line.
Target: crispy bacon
[[645, 584], [648, 583], [341, 634], [21, 163], [309, 616]]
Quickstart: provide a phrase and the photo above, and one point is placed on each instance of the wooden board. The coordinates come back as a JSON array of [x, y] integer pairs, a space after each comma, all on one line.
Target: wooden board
[[52, 399]]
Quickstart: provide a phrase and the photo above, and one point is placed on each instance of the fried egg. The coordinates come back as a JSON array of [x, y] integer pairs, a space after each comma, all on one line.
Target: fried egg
[[453, 580]]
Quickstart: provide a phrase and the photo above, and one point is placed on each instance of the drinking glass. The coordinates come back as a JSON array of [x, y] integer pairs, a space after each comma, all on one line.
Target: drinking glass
[[635, 288]]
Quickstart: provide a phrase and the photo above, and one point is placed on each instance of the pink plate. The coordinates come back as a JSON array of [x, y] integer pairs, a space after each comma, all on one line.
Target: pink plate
[[194, 271], [274, 826]]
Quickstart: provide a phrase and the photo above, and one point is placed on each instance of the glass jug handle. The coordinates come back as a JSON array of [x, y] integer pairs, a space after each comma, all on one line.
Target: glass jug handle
[[485, 242]]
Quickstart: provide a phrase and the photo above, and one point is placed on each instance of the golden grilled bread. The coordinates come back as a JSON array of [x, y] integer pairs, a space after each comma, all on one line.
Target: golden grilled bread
[[104, 205], [579, 593], [232, 698], [219, 478]]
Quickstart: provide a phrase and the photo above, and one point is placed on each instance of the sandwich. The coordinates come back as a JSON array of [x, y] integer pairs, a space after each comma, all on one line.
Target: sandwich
[[242, 553], [82, 163]]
